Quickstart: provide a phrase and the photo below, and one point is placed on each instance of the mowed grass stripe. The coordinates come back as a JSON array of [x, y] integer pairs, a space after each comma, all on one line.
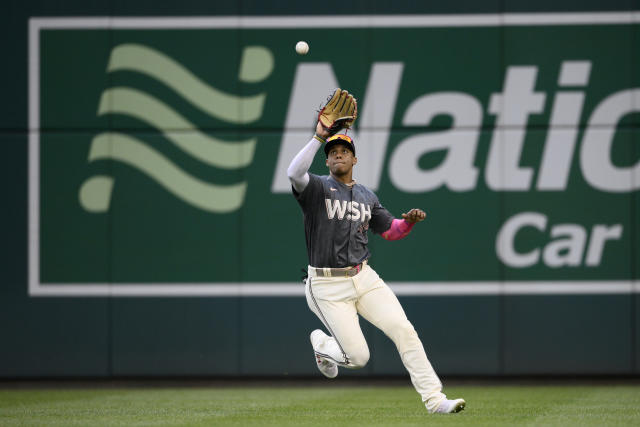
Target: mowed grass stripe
[[320, 406]]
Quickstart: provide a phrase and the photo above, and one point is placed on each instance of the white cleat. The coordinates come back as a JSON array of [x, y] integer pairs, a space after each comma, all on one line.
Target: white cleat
[[328, 368], [450, 406]]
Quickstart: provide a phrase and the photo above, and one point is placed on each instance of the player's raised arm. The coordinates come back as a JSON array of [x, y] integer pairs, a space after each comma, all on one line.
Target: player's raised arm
[[339, 112], [400, 228], [298, 169]]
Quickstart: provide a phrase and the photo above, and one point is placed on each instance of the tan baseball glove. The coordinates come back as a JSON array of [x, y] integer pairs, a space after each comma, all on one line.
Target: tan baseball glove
[[340, 111]]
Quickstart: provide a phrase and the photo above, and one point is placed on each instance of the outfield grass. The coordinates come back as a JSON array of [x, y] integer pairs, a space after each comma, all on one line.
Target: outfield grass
[[599, 405]]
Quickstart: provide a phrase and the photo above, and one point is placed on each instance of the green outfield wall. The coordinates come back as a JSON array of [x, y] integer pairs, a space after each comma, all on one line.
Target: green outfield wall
[[149, 228]]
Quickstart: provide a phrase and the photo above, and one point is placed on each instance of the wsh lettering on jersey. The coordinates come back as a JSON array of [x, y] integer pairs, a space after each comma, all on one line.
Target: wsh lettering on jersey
[[353, 211]]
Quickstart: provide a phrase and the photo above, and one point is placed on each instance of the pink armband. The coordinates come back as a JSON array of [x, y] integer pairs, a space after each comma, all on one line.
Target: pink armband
[[398, 230]]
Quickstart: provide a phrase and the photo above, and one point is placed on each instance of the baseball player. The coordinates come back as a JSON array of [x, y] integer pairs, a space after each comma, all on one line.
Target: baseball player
[[341, 284]]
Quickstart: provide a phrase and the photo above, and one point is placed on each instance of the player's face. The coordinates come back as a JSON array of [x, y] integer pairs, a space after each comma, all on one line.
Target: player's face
[[340, 160]]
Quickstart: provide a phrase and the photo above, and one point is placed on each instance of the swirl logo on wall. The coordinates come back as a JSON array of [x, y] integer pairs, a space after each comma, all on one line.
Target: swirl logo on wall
[[256, 65]]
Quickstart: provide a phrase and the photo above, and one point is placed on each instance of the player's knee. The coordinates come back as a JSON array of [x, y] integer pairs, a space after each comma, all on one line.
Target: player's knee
[[358, 359]]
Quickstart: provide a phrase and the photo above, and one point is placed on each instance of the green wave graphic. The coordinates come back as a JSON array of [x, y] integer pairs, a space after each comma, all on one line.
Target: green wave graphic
[[256, 64], [95, 193], [196, 192], [224, 106], [149, 109]]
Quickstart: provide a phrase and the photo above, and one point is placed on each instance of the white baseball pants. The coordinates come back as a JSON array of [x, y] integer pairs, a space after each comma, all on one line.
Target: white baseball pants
[[337, 301]]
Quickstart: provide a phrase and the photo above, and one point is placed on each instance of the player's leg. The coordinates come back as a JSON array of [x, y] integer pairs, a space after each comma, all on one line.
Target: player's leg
[[333, 301], [379, 305], [382, 309]]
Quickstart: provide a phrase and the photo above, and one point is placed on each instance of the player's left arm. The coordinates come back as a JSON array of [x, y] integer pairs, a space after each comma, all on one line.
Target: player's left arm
[[400, 228]]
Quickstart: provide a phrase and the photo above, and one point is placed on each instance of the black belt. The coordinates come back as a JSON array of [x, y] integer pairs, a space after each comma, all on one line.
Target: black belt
[[339, 272]]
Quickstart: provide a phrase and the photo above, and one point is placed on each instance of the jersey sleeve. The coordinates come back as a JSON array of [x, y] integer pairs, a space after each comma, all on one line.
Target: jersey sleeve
[[311, 190], [381, 218]]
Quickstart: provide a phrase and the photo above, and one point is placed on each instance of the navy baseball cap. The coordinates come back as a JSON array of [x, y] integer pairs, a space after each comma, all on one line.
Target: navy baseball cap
[[341, 139]]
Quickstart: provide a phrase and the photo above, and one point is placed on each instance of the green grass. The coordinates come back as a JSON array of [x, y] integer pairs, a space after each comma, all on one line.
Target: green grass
[[601, 405]]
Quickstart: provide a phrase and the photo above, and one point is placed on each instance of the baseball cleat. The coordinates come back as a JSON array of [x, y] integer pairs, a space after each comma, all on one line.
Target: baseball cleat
[[328, 368], [450, 406]]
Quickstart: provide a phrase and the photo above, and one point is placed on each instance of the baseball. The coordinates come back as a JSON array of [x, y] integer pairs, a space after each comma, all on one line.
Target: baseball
[[302, 48]]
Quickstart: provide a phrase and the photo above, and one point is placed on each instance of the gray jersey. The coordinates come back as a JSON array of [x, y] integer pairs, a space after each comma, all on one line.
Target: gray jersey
[[336, 220]]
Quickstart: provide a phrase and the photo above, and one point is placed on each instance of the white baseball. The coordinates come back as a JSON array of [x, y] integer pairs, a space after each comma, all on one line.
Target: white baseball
[[302, 48]]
